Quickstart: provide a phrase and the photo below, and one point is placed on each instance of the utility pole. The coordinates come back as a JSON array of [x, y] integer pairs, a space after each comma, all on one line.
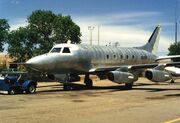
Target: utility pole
[[98, 35], [176, 30], [91, 30], [176, 23]]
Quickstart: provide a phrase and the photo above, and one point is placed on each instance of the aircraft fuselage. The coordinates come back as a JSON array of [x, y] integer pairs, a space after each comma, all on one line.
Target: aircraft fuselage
[[69, 58]]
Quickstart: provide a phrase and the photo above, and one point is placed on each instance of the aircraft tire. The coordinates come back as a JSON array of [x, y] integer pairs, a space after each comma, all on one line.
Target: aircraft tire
[[172, 81], [128, 85], [89, 83], [67, 87], [31, 89]]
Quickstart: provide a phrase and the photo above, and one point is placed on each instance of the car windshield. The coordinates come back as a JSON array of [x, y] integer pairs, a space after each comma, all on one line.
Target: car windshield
[[56, 50]]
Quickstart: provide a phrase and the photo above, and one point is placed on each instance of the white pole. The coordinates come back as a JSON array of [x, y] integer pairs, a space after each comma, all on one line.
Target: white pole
[[91, 30], [98, 35]]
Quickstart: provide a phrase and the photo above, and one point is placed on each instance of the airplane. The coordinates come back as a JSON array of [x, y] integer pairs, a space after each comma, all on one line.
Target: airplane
[[66, 62]]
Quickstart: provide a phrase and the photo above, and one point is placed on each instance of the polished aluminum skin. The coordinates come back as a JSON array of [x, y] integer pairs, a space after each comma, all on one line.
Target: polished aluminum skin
[[83, 58]]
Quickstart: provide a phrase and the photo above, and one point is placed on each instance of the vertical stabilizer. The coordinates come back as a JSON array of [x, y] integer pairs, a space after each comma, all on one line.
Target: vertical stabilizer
[[152, 44]]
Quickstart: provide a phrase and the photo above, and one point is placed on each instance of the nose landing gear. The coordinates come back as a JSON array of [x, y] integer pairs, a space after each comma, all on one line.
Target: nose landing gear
[[88, 82]]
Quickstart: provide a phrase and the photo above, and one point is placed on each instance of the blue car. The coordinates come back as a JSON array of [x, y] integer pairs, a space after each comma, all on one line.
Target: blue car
[[16, 82]]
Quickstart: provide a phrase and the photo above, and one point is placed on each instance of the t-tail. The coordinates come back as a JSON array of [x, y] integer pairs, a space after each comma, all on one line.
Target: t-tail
[[152, 44]]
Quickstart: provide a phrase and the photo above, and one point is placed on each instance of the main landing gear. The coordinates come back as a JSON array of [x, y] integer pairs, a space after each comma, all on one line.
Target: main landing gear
[[128, 85], [172, 81], [68, 86], [88, 82]]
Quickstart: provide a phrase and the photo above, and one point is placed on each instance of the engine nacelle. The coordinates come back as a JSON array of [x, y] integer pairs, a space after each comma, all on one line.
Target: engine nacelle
[[121, 77], [157, 75]]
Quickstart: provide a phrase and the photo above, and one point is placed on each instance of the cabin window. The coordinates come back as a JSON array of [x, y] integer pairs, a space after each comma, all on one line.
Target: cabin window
[[144, 57], [121, 56], [127, 56], [56, 50], [66, 50], [107, 56], [114, 56], [133, 56]]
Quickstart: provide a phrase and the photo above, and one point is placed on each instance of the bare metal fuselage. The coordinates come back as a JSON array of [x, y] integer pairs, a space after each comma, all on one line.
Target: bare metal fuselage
[[83, 58]]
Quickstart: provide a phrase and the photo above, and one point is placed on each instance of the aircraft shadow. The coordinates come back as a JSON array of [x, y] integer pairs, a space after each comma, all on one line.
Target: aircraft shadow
[[173, 95], [80, 87]]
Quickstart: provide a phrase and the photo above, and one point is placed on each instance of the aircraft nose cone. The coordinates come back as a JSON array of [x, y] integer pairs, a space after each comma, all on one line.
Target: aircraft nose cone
[[37, 62]]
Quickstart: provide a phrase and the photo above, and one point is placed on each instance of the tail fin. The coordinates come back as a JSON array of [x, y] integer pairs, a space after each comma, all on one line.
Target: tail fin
[[152, 44]]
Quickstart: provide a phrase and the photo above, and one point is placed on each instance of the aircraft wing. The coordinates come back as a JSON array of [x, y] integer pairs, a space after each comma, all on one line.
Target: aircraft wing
[[133, 67], [168, 57]]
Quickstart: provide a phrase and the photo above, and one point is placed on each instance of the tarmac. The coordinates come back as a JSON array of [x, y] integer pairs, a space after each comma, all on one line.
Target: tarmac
[[106, 102]]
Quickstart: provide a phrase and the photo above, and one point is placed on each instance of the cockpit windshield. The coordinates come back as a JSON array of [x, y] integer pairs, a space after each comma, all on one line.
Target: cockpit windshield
[[56, 50]]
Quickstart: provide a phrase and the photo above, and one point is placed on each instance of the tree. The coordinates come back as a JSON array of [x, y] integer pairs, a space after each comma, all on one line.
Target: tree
[[52, 29], [174, 49], [41, 22], [20, 46], [44, 29], [65, 29], [4, 28]]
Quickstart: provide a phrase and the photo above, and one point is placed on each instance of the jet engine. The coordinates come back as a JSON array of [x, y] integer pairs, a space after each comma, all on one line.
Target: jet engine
[[157, 75], [121, 77]]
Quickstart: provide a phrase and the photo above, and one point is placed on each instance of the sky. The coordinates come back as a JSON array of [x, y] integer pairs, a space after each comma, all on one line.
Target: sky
[[129, 22]]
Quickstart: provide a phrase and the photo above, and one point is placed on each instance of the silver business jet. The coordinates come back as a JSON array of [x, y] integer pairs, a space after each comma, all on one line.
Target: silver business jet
[[65, 62]]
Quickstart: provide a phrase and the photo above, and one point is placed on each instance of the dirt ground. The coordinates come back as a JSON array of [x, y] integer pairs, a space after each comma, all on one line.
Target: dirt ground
[[106, 102]]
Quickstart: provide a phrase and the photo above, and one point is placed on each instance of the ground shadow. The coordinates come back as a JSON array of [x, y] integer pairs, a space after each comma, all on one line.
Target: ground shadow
[[80, 87], [172, 95]]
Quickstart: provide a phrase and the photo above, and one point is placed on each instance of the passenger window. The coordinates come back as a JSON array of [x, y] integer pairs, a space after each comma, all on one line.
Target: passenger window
[[127, 56], [107, 56], [114, 56], [121, 56], [66, 50], [133, 56], [56, 50]]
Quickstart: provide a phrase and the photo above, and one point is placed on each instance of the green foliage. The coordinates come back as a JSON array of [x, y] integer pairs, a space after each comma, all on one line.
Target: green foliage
[[174, 49], [21, 44], [4, 28], [65, 29], [43, 31]]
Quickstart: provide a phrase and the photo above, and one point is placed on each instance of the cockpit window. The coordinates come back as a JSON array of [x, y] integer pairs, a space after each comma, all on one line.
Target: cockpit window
[[56, 50], [66, 50]]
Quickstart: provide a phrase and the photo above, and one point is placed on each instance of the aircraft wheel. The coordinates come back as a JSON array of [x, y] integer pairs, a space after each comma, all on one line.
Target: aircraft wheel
[[31, 89], [172, 81], [128, 85], [67, 87], [89, 83]]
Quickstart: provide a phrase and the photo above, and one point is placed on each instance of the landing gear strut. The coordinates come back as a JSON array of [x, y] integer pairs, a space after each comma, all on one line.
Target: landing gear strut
[[172, 81], [88, 81], [66, 85]]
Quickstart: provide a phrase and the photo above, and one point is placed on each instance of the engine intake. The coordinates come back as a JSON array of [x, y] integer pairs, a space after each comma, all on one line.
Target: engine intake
[[121, 77], [157, 75]]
